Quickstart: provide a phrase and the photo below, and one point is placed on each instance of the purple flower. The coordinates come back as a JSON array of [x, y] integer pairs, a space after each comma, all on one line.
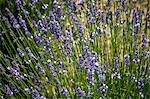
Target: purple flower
[[107, 17], [35, 94], [51, 15], [81, 2], [60, 64], [91, 19], [80, 93], [94, 54], [81, 59], [143, 41], [8, 90], [40, 68], [137, 17], [28, 51], [145, 54], [90, 70], [117, 14], [92, 34], [57, 82], [20, 53], [22, 23], [46, 48], [141, 95], [67, 35], [149, 40], [42, 97], [72, 5], [55, 26], [34, 1], [50, 67], [127, 59], [14, 72], [133, 15], [136, 56], [83, 42], [103, 88], [19, 3], [136, 60], [58, 11], [90, 76], [115, 64], [110, 14], [12, 19], [140, 83], [86, 52], [32, 75], [65, 92], [37, 81], [123, 5], [102, 17], [98, 70], [45, 6], [110, 2], [94, 10], [68, 47], [137, 31], [37, 39], [80, 29], [15, 66], [73, 18]]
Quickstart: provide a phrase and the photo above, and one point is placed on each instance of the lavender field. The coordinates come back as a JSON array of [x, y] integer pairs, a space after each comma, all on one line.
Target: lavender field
[[75, 49]]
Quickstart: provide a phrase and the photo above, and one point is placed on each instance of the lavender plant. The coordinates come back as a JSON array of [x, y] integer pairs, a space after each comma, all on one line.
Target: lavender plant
[[72, 49]]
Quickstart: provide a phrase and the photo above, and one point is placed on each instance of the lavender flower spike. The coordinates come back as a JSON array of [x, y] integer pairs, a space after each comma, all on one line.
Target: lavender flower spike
[[127, 59], [8, 92]]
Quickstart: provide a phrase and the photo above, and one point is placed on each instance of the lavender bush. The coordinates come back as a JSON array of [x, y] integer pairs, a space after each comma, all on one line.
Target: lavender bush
[[72, 49]]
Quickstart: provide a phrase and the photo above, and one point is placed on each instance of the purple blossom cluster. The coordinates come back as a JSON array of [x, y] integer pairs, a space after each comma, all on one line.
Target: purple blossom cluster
[[74, 49]]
